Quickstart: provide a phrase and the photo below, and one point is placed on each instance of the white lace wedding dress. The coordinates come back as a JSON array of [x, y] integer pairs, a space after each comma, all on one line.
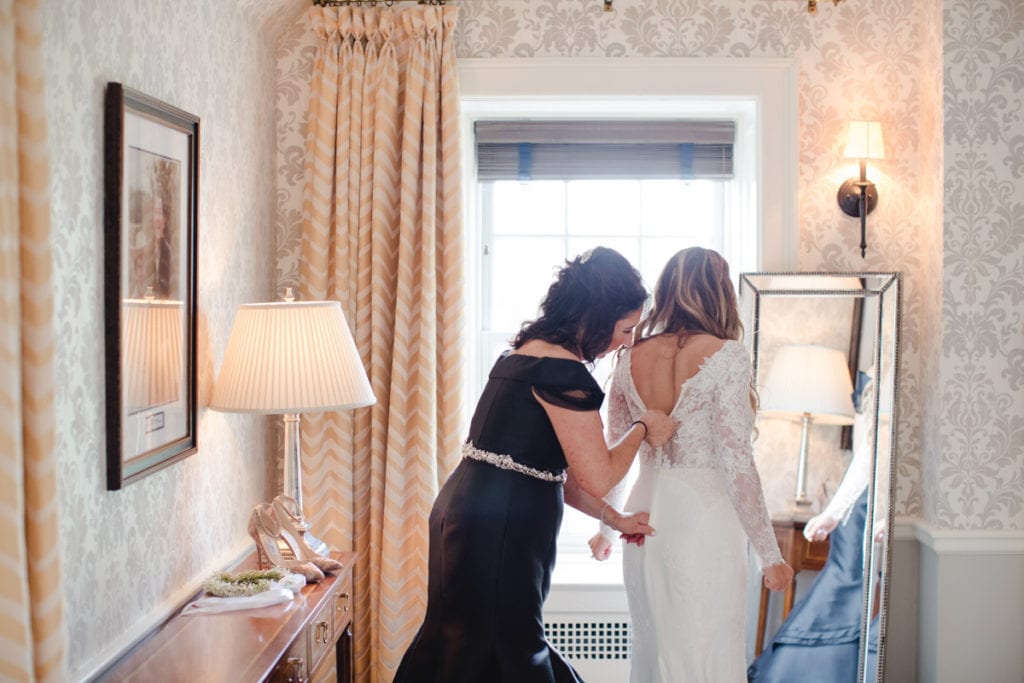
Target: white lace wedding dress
[[686, 585]]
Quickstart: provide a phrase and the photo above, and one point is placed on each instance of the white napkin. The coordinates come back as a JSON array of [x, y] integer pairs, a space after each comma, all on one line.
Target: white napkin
[[279, 591]]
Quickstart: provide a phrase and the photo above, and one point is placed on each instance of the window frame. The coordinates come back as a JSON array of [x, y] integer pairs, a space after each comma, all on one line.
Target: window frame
[[761, 94]]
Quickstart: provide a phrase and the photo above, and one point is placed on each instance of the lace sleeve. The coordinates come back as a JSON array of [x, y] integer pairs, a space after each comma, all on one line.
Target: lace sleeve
[[734, 421], [858, 473], [618, 422]]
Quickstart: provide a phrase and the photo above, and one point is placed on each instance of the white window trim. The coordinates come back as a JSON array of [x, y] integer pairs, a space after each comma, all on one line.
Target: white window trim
[[761, 94]]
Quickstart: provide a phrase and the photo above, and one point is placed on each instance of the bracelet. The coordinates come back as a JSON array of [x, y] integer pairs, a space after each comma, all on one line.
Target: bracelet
[[639, 422], [600, 517]]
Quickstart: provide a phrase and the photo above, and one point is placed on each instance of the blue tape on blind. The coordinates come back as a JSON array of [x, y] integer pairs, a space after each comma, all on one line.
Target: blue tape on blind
[[686, 160], [525, 161]]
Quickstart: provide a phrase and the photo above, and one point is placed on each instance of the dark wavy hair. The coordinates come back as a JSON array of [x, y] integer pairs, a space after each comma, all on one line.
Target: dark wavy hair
[[591, 293]]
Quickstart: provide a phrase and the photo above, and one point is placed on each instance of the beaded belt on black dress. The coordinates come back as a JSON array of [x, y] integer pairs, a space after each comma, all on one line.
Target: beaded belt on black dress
[[506, 462]]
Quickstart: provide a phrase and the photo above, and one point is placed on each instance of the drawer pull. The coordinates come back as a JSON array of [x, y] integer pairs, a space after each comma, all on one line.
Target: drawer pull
[[342, 603], [294, 670], [322, 635]]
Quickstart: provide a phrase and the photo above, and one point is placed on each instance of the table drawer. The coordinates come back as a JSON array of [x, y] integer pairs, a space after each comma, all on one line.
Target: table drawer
[[294, 665], [342, 604], [320, 634]]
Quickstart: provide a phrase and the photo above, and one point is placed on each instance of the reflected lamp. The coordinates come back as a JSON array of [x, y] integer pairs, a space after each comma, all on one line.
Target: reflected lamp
[[858, 197], [290, 358], [152, 355], [808, 383]]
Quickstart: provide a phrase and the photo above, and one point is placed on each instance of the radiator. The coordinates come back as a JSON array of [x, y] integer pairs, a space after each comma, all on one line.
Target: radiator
[[602, 640], [589, 624]]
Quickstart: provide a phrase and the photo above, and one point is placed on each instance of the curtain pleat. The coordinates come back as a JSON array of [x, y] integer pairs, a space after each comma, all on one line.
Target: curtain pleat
[[32, 631], [382, 234]]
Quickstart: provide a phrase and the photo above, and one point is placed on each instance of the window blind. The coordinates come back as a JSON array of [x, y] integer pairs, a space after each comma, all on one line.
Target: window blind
[[593, 149]]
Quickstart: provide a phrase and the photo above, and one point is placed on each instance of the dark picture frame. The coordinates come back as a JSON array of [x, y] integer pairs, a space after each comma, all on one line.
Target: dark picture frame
[[151, 214]]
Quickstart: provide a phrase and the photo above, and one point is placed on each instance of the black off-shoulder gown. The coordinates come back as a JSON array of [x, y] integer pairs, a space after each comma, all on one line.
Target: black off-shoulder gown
[[493, 533]]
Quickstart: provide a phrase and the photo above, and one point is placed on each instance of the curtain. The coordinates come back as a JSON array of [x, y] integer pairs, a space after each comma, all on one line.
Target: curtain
[[32, 631], [382, 234]]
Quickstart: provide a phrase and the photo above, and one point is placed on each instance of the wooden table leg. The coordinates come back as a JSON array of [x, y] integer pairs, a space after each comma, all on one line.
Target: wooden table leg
[[762, 618], [343, 656], [787, 603]]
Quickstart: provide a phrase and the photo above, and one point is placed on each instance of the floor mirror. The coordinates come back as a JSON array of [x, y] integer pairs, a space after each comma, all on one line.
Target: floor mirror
[[825, 355]]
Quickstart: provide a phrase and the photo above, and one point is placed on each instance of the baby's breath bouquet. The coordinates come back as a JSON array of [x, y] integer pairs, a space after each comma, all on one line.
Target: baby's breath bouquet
[[227, 585]]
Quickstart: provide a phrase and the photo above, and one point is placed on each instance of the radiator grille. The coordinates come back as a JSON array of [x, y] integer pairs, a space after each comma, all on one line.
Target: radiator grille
[[591, 639]]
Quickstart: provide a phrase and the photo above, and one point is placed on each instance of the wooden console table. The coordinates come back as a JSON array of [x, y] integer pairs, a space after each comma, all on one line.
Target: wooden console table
[[286, 643], [800, 554]]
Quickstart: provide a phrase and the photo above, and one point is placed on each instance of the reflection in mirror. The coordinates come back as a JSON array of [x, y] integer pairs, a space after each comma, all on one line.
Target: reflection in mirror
[[824, 349], [153, 372]]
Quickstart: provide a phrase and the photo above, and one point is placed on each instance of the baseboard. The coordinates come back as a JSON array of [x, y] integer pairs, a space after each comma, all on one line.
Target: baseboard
[[969, 541], [95, 666]]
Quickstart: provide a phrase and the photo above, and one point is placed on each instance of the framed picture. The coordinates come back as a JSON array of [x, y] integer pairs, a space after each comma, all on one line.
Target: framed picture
[[151, 189]]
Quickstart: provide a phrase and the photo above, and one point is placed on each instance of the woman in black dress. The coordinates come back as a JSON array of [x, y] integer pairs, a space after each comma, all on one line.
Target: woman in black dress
[[495, 522]]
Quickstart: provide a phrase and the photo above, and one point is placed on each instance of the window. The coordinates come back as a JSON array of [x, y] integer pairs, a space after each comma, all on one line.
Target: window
[[530, 228], [519, 232]]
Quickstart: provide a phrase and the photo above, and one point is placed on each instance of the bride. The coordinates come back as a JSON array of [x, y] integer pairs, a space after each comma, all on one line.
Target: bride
[[686, 585]]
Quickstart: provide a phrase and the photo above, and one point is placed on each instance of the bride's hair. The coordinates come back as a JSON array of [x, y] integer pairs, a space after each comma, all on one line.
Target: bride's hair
[[693, 295]]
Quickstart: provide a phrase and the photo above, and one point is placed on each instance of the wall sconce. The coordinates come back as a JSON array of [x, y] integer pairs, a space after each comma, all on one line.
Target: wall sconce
[[858, 197]]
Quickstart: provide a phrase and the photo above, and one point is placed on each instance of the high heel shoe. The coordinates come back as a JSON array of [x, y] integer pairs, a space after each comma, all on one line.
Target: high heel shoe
[[265, 530], [286, 510]]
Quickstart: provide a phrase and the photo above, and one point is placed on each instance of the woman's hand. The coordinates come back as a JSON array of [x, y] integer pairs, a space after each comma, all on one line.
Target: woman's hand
[[880, 530], [600, 546], [778, 576], [660, 427], [818, 528], [630, 524]]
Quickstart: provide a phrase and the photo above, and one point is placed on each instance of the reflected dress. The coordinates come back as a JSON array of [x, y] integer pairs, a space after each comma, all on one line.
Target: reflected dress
[[493, 530], [820, 640], [686, 586]]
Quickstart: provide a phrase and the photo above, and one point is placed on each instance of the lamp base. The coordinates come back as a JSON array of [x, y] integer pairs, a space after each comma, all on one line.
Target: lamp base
[[801, 510], [316, 545]]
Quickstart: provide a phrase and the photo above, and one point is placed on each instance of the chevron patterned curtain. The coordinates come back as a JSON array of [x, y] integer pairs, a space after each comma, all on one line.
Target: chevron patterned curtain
[[382, 234], [32, 631]]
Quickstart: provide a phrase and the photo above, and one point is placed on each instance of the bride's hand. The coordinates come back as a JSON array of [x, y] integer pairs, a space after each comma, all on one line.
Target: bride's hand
[[600, 547], [660, 427], [778, 576]]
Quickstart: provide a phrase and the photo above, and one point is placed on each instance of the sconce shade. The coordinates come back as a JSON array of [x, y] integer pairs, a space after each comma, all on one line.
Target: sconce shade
[[810, 379], [864, 141], [291, 357], [152, 351]]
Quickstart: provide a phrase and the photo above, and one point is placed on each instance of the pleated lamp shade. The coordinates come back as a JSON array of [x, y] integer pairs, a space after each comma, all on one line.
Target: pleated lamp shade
[[291, 357], [152, 356], [811, 379]]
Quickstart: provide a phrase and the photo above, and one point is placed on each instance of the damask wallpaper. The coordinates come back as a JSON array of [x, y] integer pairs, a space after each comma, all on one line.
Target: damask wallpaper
[[127, 554], [981, 471], [943, 76], [862, 59]]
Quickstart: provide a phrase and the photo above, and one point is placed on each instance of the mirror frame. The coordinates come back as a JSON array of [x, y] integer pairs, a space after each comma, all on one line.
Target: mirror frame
[[753, 287], [135, 123]]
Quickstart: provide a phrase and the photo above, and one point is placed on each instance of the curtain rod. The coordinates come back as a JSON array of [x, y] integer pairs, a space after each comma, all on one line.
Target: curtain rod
[[372, 3]]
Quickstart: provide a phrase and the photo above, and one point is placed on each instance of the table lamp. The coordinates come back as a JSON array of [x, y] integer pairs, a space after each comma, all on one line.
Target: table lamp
[[808, 383], [291, 357]]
